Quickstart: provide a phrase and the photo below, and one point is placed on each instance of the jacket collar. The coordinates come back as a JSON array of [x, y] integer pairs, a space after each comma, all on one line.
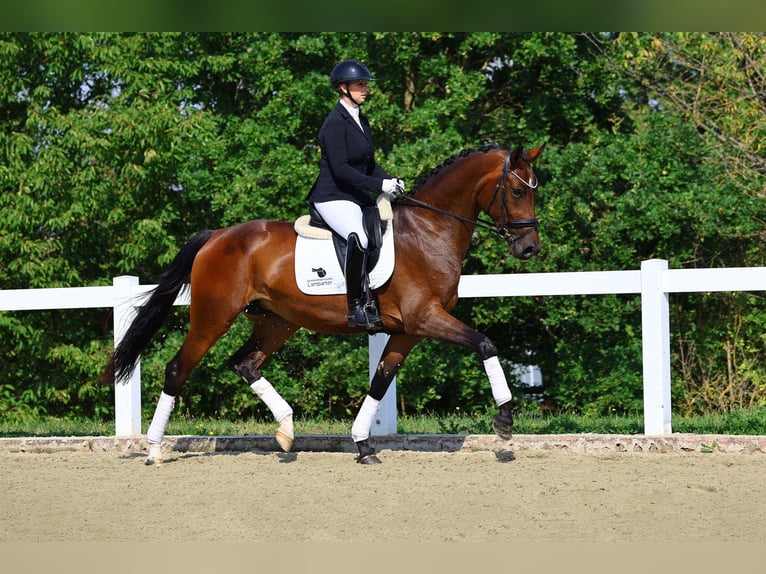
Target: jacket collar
[[348, 117]]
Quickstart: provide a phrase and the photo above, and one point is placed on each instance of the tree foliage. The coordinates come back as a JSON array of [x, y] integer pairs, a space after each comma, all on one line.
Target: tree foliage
[[116, 147]]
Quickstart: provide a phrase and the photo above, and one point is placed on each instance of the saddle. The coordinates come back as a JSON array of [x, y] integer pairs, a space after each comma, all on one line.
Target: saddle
[[320, 254], [376, 220]]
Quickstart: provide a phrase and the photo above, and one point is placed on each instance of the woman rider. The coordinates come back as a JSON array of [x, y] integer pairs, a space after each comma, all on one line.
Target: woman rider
[[348, 178]]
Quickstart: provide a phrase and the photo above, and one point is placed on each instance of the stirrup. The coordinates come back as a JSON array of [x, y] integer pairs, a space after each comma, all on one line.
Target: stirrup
[[373, 315], [364, 315]]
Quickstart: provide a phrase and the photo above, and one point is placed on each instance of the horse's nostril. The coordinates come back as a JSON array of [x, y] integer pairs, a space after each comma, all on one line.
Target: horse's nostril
[[529, 252]]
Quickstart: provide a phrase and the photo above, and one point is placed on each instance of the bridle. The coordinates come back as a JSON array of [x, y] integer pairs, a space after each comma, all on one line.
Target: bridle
[[503, 230], [507, 224]]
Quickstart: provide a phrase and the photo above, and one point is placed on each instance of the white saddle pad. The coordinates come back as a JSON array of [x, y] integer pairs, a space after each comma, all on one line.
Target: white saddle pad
[[318, 272]]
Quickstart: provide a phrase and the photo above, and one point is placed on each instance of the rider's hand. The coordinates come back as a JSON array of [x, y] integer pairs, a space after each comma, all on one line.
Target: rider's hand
[[393, 186]]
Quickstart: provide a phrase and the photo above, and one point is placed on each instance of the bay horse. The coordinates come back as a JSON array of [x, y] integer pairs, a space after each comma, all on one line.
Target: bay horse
[[249, 269]]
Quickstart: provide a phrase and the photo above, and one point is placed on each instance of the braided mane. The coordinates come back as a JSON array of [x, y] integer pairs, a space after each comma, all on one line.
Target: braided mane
[[487, 147]]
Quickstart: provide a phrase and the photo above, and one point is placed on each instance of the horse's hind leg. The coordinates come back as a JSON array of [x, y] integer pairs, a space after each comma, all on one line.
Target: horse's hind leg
[[269, 334], [210, 319], [176, 372]]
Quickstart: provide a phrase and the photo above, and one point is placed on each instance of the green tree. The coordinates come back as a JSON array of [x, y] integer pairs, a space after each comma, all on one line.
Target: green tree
[[116, 147]]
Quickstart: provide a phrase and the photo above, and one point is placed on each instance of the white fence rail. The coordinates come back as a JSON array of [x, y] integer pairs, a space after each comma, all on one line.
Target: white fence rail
[[653, 282]]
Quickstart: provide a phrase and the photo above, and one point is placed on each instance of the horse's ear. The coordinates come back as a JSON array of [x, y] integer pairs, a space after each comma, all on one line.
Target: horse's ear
[[533, 154]]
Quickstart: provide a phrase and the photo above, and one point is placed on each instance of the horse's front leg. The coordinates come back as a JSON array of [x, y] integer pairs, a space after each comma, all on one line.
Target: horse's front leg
[[502, 422], [396, 350], [444, 327]]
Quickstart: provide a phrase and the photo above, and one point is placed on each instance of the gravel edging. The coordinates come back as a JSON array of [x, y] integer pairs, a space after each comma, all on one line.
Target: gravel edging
[[574, 443]]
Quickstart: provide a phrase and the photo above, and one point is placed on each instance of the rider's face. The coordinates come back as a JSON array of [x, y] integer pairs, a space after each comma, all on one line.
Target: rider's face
[[358, 90]]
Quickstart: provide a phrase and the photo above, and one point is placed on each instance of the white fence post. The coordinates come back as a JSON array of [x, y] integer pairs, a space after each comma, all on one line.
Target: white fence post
[[127, 394], [385, 420], [655, 335]]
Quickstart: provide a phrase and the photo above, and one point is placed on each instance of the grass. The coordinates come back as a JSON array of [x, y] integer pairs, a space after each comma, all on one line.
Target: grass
[[750, 422]]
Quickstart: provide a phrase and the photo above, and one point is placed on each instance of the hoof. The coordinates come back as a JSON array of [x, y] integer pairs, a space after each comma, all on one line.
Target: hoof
[[155, 455], [368, 459], [285, 434], [284, 440], [503, 426], [366, 453]]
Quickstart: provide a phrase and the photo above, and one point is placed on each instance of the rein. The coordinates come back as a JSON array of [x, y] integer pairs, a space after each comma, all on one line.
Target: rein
[[503, 230]]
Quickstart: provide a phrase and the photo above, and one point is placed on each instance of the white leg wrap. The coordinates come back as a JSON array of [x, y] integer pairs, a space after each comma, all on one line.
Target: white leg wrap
[[160, 420], [269, 395], [500, 391], [360, 430]]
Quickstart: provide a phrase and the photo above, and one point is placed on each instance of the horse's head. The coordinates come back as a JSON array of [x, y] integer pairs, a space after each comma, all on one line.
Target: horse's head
[[512, 202]]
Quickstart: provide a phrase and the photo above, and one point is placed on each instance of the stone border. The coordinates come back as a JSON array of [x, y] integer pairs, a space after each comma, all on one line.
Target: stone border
[[574, 443]]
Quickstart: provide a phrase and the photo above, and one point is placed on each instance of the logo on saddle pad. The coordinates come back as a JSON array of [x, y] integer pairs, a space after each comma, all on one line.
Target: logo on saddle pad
[[317, 269]]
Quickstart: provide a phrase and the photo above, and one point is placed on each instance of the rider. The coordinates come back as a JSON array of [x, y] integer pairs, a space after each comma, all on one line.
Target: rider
[[348, 178]]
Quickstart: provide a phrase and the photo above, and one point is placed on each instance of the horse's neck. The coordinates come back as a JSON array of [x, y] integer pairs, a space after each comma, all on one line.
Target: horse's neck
[[454, 191], [437, 232]]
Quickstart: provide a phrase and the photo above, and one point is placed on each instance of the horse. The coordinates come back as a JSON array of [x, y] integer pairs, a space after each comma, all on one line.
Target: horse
[[248, 269]]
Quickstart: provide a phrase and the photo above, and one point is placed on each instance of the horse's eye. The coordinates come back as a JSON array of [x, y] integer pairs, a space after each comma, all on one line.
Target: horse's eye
[[517, 193]]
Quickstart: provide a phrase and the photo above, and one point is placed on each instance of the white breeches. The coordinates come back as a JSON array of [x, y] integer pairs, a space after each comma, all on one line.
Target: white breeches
[[345, 217]]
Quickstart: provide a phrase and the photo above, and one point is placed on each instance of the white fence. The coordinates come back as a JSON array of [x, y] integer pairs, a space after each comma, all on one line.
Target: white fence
[[653, 282]]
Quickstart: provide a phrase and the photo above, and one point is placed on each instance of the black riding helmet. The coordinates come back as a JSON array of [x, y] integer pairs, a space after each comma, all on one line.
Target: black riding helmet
[[349, 71]]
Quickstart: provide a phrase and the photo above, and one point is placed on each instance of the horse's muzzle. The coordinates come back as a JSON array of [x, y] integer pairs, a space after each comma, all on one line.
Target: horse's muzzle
[[526, 246]]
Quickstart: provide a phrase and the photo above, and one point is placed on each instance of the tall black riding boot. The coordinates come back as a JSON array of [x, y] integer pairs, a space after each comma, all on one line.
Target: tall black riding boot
[[362, 311]]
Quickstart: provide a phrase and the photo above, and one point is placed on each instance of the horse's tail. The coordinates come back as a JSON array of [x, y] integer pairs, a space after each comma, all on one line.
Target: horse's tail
[[151, 315]]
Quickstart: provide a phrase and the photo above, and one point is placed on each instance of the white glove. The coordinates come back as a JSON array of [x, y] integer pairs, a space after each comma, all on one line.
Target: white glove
[[393, 186]]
